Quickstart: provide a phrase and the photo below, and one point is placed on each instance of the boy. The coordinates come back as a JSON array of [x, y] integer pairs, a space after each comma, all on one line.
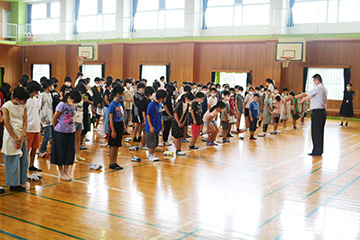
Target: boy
[[54, 94], [153, 123], [128, 101], [14, 144], [239, 106], [196, 118], [98, 100], [295, 110], [66, 88], [224, 117], [148, 92], [33, 124], [117, 125], [212, 100], [46, 116], [253, 115], [138, 96]]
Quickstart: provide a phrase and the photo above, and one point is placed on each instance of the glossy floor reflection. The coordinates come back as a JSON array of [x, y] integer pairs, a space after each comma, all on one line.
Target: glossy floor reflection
[[264, 189]]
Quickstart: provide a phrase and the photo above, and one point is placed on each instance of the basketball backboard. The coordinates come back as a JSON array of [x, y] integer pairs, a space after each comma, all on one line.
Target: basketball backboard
[[295, 50]]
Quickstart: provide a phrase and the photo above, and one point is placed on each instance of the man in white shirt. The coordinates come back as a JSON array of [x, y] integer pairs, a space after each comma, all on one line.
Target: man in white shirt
[[318, 104]]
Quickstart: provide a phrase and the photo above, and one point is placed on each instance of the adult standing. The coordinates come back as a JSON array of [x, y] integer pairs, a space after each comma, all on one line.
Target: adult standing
[[318, 104], [347, 109]]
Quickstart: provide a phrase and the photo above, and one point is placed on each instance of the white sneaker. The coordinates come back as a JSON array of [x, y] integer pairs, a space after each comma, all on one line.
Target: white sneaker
[[168, 144], [144, 148], [262, 135], [153, 158], [180, 154], [86, 140], [103, 144]]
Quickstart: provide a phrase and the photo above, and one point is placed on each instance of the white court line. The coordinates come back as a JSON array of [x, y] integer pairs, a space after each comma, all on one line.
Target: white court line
[[348, 137]]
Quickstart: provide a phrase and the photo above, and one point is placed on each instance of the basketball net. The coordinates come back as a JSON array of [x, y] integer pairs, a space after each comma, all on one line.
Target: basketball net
[[80, 60], [285, 61]]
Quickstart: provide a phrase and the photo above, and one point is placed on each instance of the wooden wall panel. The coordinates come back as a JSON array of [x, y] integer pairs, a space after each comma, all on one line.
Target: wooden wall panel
[[11, 59]]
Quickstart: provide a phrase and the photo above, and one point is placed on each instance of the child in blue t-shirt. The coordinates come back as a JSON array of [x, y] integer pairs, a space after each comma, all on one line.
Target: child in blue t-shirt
[[253, 115], [117, 125], [153, 123]]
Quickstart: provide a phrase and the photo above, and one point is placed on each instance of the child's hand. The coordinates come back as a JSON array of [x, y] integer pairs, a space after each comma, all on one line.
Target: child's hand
[[18, 143], [180, 125], [113, 134], [195, 123], [152, 130], [251, 119]]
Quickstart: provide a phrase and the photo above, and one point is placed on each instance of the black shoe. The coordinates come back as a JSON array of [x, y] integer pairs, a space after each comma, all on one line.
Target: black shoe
[[2, 190], [341, 124], [313, 154], [193, 147], [126, 133], [259, 123], [346, 124], [34, 169], [17, 189], [229, 135], [187, 136], [115, 166], [139, 139]]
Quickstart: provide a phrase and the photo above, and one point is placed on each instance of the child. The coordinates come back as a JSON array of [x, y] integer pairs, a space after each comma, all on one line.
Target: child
[[98, 99], [239, 106], [286, 108], [54, 94], [117, 125], [232, 110], [276, 113], [304, 107], [139, 94], [78, 118], [254, 115], [14, 144], [347, 109], [268, 112], [46, 116], [148, 92], [212, 100], [224, 118], [168, 113], [209, 121], [247, 101], [63, 146], [66, 88], [88, 105], [296, 109], [196, 118], [181, 113], [153, 123], [109, 81], [33, 124], [128, 101]]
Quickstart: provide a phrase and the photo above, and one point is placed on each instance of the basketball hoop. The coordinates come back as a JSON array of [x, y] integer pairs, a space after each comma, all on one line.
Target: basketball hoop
[[80, 60], [285, 61]]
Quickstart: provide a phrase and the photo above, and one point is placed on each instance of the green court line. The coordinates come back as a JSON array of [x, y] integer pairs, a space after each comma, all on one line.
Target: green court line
[[12, 235], [40, 226]]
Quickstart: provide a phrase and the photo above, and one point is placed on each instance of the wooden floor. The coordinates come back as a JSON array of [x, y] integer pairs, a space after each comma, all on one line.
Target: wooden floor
[[264, 189]]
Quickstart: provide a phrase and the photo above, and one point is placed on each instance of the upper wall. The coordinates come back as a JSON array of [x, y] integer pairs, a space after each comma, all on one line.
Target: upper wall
[[11, 59], [7, 7]]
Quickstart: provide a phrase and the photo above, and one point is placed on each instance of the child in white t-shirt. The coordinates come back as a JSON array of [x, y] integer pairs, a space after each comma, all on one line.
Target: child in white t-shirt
[[14, 144], [33, 127]]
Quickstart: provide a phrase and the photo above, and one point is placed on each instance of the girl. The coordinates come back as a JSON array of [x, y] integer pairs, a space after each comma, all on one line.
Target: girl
[[346, 109], [285, 108], [276, 113], [79, 126], [196, 121], [268, 112], [181, 113], [63, 146], [209, 121]]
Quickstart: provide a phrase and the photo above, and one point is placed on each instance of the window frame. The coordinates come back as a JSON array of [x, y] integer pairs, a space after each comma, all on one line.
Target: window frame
[[32, 71], [81, 69], [48, 19]]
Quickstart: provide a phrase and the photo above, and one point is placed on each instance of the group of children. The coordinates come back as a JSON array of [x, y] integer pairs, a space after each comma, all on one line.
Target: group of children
[[65, 117]]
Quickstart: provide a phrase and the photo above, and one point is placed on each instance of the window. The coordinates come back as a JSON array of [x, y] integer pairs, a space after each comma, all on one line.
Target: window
[[92, 71], [333, 79], [160, 14], [40, 70], [236, 13], [45, 18], [233, 79], [326, 11], [152, 72], [97, 16]]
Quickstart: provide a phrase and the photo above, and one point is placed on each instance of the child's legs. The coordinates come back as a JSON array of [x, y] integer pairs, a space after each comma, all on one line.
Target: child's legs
[[342, 119], [284, 123], [195, 131], [106, 120], [238, 118], [151, 150], [77, 141], [275, 126], [136, 129], [294, 122], [47, 136], [126, 119], [347, 119], [167, 127], [32, 156], [12, 170], [178, 144], [265, 127], [215, 132], [186, 127], [113, 154]]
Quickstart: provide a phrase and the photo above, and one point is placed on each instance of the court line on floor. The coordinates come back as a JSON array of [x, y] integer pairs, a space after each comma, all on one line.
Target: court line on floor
[[173, 230], [40, 226], [12, 235], [318, 189], [348, 138]]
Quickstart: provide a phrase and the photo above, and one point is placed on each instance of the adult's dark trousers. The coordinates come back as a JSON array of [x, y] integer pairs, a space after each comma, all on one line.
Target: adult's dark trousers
[[318, 119], [167, 127]]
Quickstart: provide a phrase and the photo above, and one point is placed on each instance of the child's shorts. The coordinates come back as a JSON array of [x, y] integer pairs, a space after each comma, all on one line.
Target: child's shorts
[[79, 126], [32, 140], [195, 130], [276, 117], [152, 139], [225, 125], [296, 116], [253, 125], [176, 131], [212, 122], [246, 112], [119, 129]]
